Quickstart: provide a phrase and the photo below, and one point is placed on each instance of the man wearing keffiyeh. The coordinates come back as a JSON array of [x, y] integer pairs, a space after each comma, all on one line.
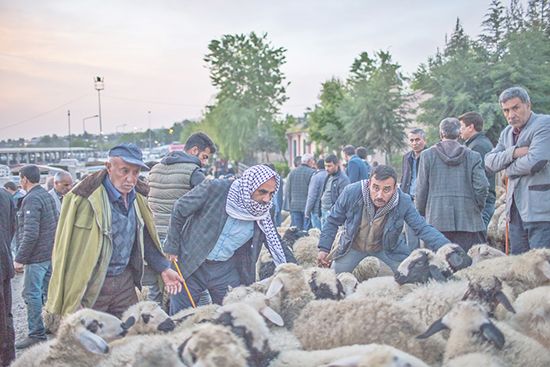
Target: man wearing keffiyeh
[[373, 213], [216, 231]]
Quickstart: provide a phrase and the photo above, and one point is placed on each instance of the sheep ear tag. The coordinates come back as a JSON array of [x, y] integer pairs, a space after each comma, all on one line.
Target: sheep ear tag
[[93, 343], [272, 316], [352, 361], [274, 288]]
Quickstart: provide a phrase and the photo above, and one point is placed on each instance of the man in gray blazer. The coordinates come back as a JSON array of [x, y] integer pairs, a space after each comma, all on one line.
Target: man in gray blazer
[[523, 152], [62, 184], [452, 188]]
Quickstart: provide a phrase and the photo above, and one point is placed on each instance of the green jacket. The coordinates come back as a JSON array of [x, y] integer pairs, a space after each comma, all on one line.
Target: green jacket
[[83, 247]]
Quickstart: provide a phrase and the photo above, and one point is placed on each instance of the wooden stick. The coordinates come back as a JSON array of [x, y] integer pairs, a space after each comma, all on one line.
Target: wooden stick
[[185, 284]]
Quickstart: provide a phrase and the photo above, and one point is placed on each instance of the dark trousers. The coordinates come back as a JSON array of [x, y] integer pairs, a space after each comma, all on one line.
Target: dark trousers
[[466, 239], [526, 235], [7, 332], [214, 276], [117, 294]]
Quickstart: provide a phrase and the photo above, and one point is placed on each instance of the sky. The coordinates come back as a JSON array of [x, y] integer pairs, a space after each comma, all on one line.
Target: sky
[[150, 53]]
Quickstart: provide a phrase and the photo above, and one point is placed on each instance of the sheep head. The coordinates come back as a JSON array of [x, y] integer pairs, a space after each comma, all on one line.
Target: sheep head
[[469, 318], [147, 317], [420, 266], [489, 293], [455, 256]]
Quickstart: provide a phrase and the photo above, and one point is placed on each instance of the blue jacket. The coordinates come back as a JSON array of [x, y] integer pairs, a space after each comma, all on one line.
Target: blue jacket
[[348, 211], [357, 169]]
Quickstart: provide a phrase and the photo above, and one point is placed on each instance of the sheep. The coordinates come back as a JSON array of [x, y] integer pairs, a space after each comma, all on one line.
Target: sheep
[[292, 287], [421, 265], [370, 355], [483, 252], [475, 359], [81, 341], [314, 232], [455, 256], [368, 268], [349, 283], [532, 316], [431, 301], [471, 331], [382, 287], [305, 251], [520, 272], [147, 317], [189, 317], [329, 324], [265, 265]]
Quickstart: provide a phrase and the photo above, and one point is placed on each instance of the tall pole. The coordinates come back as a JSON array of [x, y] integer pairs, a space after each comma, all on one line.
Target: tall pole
[[69, 121], [99, 86], [149, 115]]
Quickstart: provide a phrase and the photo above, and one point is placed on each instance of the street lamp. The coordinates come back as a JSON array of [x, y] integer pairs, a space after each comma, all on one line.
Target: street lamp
[[69, 121], [149, 115], [99, 86], [84, 122]]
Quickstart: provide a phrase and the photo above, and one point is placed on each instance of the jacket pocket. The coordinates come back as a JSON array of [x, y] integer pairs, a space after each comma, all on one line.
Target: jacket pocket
[[83, 221], [542, 187]]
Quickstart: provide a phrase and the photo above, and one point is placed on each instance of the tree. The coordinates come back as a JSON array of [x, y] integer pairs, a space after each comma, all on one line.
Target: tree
[[324, 123], [494, 29], [374, 111], [246, 69]]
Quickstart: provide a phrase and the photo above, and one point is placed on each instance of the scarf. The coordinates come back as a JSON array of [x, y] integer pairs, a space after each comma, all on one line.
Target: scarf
[[371, 209], [240, 205]]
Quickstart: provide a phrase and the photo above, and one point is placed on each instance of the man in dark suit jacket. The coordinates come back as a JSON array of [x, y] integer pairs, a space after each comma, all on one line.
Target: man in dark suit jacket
[[471, 131]]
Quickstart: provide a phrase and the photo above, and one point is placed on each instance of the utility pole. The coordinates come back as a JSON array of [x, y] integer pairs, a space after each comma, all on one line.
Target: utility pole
[[69, 121], [99, 86], [149, 115]]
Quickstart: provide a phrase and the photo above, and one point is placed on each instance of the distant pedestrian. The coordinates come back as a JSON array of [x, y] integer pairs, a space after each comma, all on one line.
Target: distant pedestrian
[[314, 192], [471, 131], [62, 184], [334, 184], [362, 153], [296, 189], [7, 231], [36, 225], [452, 188], [417, 142], [356, 168], [523, 154]]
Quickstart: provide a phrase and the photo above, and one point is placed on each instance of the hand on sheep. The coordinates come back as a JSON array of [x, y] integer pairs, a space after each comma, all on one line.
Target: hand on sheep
[[322, 259], [172, 281]]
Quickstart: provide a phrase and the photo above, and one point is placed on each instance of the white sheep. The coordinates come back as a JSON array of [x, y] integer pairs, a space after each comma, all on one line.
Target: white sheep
[[81, 341], [329, 324], [305, 251], [382, 287], [483, 252], [420, 266], [369, 267], [147, 317], [532, 315], [471, 331], [475, 359], [314, 232], [521, 272], [349, 283]]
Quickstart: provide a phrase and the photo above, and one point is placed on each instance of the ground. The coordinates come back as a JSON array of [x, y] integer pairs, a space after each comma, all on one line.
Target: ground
[[18, 308]]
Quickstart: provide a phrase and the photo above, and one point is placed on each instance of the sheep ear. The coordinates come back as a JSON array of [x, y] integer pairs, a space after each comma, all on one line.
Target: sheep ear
[[436, 327], [92, 342], [545, 268], [274, 288], [459, 260], [492, 333], [272, 316], [130, 321], [352, 361], [436, 273], [504, 301]]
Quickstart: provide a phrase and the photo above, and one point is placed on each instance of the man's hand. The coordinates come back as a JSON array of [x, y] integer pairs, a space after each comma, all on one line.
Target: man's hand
[[520, 152], [172, 258], [322, 259], [18, 267], [172, 281]]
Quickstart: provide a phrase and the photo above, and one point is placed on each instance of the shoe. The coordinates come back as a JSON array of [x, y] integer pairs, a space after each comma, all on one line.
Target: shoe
[[27, 342]]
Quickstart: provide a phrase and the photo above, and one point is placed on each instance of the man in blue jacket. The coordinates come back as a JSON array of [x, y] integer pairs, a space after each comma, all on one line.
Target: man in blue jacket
[[356, 169], [373, 213]]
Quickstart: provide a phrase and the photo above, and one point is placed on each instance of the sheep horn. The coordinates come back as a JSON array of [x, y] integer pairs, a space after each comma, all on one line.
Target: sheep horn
[[436, 327], [492, 333], [504, 301]]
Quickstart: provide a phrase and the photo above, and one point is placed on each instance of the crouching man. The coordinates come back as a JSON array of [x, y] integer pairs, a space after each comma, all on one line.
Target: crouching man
[[373, 213]]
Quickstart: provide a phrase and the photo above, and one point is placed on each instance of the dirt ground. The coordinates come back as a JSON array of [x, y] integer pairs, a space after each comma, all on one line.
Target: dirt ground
[[18, 309]]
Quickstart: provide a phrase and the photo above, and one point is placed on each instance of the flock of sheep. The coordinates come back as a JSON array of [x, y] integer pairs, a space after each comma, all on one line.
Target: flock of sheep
[[440, 309]]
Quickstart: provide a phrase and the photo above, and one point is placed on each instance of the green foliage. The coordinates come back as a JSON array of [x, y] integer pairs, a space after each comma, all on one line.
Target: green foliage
[[324, 123], [468, 75], [246, 69]]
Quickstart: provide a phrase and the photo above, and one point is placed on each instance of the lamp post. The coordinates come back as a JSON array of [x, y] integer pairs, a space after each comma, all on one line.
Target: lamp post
[[149, 115], [84, 122], [69, 122], [99, 86]]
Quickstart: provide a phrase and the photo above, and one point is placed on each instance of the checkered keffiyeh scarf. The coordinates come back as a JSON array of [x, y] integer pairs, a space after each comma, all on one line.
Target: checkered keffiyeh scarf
[[240, 205], [371, 209]]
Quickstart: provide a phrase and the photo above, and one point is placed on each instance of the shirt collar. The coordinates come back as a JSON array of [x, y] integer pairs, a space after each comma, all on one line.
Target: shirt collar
[[114, 194]]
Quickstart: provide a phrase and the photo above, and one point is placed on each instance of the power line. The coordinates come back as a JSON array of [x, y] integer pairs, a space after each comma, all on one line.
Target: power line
[[44, 113]]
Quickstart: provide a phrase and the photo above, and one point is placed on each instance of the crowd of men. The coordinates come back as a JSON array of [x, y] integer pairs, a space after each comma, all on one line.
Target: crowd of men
[[115, 231]]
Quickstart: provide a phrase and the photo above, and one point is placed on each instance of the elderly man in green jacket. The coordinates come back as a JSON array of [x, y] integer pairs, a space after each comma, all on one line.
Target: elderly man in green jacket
[[105, 231]]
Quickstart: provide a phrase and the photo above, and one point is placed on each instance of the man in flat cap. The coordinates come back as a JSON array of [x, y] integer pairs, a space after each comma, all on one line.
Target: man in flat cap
[[106, 230]]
